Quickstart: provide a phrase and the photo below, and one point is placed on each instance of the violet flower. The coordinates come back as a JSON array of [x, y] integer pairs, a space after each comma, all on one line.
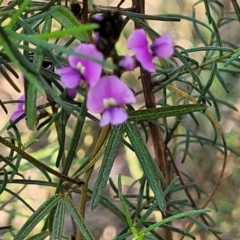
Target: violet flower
[[81, 68], [108, 97], [162, 47], [127, 63], [19, 111]]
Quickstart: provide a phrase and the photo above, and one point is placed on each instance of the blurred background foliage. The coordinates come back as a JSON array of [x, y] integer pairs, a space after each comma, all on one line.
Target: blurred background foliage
[[208, 33]]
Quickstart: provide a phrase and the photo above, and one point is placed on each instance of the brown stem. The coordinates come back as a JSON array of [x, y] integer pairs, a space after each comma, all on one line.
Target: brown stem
[[38, 164], [157, 139]]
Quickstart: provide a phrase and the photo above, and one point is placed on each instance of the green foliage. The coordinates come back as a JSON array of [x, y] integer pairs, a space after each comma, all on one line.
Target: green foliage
[[181, 129]]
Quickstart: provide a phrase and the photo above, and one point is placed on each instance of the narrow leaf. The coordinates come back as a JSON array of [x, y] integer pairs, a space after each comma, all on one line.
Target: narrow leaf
[[58, 221], [78, 219], [31, 91], [40, 236], [107, 163], [65, 17], [209, 83], [123, 202], [236, 8], [37, 216], [17, 14], [232, 58], [174, 217], [62, 33], [150, 169], [155, 113]]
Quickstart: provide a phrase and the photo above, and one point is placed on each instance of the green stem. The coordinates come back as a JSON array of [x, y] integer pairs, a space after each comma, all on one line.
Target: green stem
[[84, 191]]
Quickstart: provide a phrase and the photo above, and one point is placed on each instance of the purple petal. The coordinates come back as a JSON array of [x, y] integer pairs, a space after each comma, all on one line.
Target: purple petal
[[91, 70], [127, 63], [98, 16], [109, 87], [96, 36], [137, 42], [72, 92], [20, 106], [163, 47], [16, 114], [138, 39], [70, 76], [113, 115]]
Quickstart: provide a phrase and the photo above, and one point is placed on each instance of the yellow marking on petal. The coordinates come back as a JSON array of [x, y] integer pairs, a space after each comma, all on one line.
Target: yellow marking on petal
[[109, 102], [80, 67]]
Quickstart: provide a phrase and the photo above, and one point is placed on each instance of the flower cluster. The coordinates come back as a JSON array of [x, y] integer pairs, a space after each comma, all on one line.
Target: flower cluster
[[107, 95]]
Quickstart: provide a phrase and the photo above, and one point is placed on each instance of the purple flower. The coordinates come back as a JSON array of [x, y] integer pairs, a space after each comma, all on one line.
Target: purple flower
[[19, 111], [81, 68], [138, 43], [127, 63], [161, 47], [108, 97]]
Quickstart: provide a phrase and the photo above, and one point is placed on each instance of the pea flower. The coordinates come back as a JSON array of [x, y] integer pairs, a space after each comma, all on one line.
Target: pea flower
[[108, 97], [162, 47], [19, 111], [81, 68], [127, 63]]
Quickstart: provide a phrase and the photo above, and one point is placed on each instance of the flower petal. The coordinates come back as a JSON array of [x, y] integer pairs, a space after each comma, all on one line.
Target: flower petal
[[16, 114], [72, 92], [113, 115], [91, 70], [138, 39], [137, 42], [109, 87], [70, 76], [127, 63], [20, 106], [98, 16], [163, 47]]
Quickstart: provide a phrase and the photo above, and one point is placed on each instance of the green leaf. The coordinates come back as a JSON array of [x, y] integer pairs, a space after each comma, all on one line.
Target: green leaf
[[161, 17], [31, 91], [40, 236], [61, 124], [209, 83], [62, 33], [58, 221], [8, 78], [174, 217], [155, 113], [123, 202], [17, 14], [208, 13], [65, 17], [4, 181], [150, 168], [232, 58], [19, 198], [206, 48], [236, 8], [19, 60], [107, 163], [37, 216], [78, 219]]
